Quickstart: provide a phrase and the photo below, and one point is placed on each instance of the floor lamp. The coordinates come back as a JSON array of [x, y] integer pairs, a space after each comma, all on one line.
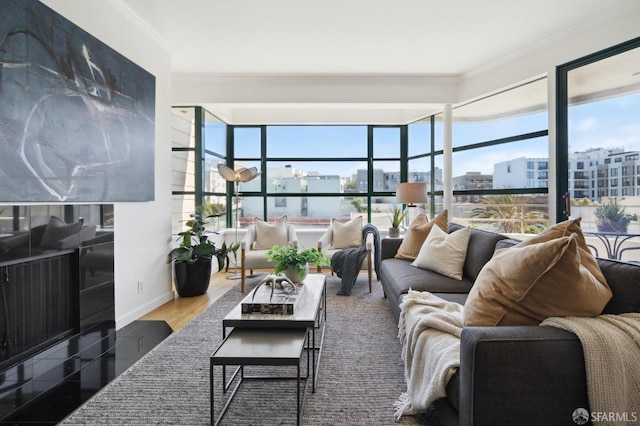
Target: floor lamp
[[241, 175], [411, 193]]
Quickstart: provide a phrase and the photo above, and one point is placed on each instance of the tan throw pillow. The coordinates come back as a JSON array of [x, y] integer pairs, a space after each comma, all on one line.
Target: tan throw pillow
[[444, 253], [564, 229], [271, 234], [347, 234], [523, 285], [417, 232]]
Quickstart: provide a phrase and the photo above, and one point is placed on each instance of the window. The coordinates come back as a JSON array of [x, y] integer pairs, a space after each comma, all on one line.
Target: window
[[198, 145], [598, 89], [489, 170]]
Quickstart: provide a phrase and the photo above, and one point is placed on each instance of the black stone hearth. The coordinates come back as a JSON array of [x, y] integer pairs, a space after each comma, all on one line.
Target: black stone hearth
[[49, 386]]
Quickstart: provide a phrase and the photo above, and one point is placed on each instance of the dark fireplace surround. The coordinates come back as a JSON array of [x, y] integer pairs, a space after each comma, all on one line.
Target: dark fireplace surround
[[56, 271]]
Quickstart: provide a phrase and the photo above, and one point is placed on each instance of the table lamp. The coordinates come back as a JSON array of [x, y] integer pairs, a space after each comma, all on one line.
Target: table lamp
[[411, 193]]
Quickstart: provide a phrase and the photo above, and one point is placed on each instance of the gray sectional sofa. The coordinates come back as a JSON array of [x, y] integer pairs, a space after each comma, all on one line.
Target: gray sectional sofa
[[525, 375]]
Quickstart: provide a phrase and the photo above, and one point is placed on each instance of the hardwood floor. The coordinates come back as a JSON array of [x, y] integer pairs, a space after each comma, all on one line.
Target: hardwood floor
[[181, 310]]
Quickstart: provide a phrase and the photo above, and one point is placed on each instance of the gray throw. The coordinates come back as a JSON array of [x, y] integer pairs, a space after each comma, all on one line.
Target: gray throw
[[346, 263]]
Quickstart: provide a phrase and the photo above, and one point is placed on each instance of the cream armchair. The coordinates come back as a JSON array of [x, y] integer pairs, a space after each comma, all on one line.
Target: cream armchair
[[346, 236], [259, 238]]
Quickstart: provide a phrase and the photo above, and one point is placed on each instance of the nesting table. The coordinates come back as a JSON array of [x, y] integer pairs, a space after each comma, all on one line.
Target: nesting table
[[273, 340]]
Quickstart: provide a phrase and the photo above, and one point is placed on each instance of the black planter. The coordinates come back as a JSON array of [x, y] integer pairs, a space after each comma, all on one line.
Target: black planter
[[192, 279]]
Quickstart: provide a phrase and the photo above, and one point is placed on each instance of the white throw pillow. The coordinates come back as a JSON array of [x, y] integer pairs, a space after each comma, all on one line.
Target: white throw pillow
[[271, 234], [347, 234], [444, 253]]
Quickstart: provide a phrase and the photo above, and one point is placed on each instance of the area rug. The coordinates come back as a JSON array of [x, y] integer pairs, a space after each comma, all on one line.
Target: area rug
[[360, 374]]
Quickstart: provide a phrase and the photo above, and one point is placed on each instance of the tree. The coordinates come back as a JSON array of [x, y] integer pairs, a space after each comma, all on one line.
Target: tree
[[510, 213], [358, 203]]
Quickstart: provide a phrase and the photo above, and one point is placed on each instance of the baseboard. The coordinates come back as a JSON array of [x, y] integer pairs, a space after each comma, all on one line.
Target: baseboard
[[144, 309]]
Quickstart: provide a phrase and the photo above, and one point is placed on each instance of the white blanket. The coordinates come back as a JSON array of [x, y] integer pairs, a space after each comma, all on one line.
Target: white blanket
[[611, 346], [429, 330]]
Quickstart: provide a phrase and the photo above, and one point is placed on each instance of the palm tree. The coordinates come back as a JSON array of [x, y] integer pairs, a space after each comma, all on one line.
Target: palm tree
[[510, 213]]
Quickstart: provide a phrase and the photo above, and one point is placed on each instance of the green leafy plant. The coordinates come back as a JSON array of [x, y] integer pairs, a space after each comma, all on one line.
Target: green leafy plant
[[195, 245], [510, 213], [284, 257], [397, 216], [613, 217]]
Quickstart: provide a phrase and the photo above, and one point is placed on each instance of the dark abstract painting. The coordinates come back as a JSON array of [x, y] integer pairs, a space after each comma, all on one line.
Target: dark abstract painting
[[76, 117]]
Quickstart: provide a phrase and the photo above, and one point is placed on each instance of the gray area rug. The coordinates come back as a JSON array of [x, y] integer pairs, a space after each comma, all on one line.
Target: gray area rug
[[360, 376]]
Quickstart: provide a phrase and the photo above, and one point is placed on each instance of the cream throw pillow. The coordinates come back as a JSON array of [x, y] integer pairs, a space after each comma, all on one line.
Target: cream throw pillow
[[271, 234], [417, 232], [347, 234], [523, 285], [444, 253]]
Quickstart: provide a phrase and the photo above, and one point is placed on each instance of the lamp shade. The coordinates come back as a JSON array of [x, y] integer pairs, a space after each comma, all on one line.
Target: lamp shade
[[241, 175], [411, 193]]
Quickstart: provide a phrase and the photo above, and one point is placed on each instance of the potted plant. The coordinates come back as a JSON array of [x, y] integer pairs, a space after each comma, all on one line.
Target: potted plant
[[294, 264], [613, 218], [192, 259], [397, 216]]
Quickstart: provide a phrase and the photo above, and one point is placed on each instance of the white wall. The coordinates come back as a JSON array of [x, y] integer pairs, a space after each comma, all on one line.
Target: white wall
[[142, 230]]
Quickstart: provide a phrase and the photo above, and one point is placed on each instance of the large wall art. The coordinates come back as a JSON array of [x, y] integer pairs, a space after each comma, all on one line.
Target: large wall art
[[76, 117]]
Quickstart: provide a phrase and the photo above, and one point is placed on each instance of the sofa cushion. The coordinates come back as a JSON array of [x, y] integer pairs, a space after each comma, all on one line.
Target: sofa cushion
[[348, 234], [443, 252], [271, 234], [624, 280], [405, 277], [525, 284], [417, 232], [57, 230], [481, 247]]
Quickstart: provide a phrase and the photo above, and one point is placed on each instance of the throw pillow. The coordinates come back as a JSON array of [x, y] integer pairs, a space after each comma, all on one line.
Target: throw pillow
[[56, 230], [417, 232], [564, 229], [348, 234], [525, 284], [444, 253], [271, 234]]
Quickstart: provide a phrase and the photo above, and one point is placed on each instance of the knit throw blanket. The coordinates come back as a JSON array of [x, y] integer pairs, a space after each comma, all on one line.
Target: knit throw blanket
[[429, 330], [611, 346]]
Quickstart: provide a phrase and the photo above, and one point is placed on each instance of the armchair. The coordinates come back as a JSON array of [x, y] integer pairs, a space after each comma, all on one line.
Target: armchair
[[260, 237], [340, 236]]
